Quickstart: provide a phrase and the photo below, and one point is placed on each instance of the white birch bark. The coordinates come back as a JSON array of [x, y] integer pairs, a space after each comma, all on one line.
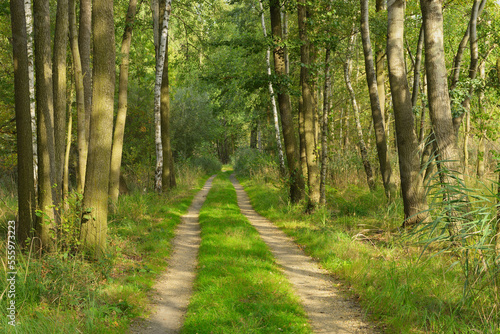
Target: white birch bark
[[271, 92], [159, 73], [31, 74]]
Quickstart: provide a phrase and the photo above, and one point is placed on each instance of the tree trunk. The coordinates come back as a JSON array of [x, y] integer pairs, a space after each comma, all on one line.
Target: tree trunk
[[416, 74], [160, 62], [324, 128], [362, 145], [121, 115], [474, 60], [377, 116], [84, 45], [45, 128], [95, 199], [308, 108], [273, 99], [65, 187], [457, 61], [439, 105], [82, 143], [302, 137], [25, 186], [168, 175], [413, 192], [60, 98], [296, 180], [379, 63], [28, 13]]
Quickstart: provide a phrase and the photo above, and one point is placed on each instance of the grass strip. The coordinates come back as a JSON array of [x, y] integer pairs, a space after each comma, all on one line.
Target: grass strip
[[62, 292], [239, 288], [403, 293]]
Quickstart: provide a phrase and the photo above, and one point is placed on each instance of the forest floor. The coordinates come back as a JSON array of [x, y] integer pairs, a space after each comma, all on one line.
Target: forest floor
[[328, 308]]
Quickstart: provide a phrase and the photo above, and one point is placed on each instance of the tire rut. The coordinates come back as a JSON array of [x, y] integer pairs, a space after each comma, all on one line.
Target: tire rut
[[326, 307], [174, 288]]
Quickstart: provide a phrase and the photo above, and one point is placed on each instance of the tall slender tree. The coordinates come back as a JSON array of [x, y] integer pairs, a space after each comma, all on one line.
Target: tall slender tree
[[82, 144], [414, 199], [60, 98], [296, 180], [95, 201], [362, 145], [25, 186], [45, 126], [271, 92], [439, 106], [121, 115], [308, 110], [377, 116]]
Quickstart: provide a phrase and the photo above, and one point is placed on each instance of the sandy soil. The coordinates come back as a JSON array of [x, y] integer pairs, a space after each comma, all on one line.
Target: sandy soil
[[173, 289], [328, 309]]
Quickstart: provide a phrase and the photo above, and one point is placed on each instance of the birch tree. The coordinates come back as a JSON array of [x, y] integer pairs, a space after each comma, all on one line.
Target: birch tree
[[160, 61], [271, 92]]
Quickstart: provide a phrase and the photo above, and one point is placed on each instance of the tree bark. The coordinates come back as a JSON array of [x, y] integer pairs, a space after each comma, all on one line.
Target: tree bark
[[474, 60], [45, 116], [377, 116], [273, 99], [160, 61], [168, 174], [65, 187], [84, 45], [291, 150], [324, 128], [121, 115], [95, 200], [457, 61], [308, 108], [362, 145], [28, 13], [60, 98], [439, 106], [413, 192], [25, 186], [380, 5], [82, 143]]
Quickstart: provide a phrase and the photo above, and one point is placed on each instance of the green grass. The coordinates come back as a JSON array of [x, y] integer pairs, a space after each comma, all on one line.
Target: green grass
[[64, 293], [239, 288], [400, 291]]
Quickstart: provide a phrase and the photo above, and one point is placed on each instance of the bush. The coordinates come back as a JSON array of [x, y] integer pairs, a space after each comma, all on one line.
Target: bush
[[249, 162], [209, 164]]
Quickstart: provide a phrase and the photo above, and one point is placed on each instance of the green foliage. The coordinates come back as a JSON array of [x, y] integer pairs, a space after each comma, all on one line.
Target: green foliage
[[248, 162], [209, 164]]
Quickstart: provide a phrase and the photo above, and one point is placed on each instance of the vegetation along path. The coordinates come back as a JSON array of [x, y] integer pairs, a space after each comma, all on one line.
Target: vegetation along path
[[173, 289], [327, 309]]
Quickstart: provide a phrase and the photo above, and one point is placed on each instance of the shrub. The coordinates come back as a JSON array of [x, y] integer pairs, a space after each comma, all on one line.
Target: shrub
[[209, 164], [250, 162]]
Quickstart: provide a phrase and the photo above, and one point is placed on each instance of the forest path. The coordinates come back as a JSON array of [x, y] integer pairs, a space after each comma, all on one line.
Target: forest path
[[174, 288], [328, 310]]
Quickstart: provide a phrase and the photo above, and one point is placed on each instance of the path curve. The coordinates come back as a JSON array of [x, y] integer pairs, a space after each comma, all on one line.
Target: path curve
[[328, 310], [174, 288]]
